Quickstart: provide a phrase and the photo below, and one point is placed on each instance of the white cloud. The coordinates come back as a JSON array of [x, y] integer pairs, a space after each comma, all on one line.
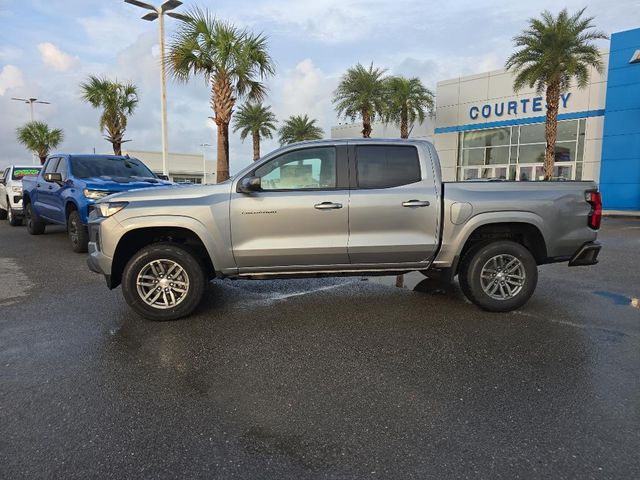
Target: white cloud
[[306, 90], [10, 77], [8, 53], [55, 58]]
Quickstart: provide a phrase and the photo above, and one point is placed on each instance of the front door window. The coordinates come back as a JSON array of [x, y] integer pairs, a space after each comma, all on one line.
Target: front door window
[[307, 169]]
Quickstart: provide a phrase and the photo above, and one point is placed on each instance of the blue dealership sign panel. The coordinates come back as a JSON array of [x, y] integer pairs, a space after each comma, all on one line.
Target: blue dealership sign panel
[[620, 168]]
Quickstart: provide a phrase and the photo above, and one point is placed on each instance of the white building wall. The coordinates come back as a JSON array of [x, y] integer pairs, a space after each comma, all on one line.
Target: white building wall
[[455, 98], [383, 130], [180, 165]]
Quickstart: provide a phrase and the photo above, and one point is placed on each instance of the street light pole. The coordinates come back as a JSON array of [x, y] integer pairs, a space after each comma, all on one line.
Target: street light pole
[[31, 101], [159, 12], [163, 98], [204, 162]]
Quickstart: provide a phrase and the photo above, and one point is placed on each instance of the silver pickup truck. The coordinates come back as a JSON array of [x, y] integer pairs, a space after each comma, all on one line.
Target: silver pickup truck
[[341, 207]]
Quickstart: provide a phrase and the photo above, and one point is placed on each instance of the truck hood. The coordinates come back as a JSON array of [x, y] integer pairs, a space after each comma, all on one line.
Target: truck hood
[[121, 184], [173, 192]]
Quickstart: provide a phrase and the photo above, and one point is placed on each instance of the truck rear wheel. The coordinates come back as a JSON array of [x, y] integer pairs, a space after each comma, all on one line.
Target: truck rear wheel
[[498, 276], [34, 227], [3, 212], [163, 281], [78, 234]]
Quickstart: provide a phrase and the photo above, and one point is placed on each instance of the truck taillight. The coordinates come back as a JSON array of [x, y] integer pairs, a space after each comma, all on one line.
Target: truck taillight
[[595, 215]]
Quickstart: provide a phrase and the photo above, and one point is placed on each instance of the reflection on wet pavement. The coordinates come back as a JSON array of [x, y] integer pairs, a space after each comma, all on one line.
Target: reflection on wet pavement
[[619, 299], [417, 282]]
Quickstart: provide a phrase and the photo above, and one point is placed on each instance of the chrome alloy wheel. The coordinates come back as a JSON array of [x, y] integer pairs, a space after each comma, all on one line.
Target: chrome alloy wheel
[[162, 283], [502, 277]]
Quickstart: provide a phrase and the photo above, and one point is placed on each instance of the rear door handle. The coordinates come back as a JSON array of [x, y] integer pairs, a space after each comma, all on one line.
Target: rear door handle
[[416, 203], [327, 206]]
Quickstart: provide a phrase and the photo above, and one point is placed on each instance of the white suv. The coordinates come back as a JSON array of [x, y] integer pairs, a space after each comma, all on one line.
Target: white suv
[[11, 192]]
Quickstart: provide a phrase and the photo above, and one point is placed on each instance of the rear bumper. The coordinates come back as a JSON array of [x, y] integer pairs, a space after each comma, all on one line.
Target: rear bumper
[[587, 254]]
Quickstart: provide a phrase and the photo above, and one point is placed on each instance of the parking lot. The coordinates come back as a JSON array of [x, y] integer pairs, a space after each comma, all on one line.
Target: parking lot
[[335, 378]]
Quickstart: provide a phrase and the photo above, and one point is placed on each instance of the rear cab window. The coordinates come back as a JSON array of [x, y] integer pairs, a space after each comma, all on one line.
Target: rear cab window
[[387, 166]]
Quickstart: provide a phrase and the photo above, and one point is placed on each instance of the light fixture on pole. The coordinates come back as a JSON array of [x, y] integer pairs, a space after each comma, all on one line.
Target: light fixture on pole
[[159, 12], [30, 101], [204, 162]]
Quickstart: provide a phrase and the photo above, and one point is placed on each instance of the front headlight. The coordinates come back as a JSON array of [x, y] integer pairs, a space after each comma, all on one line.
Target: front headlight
[[16, 189], [107, 209], [95, 194]]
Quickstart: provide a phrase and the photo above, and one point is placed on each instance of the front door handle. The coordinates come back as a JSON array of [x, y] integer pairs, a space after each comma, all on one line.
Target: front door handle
[[416, 203], [50, 187], [327, 206]]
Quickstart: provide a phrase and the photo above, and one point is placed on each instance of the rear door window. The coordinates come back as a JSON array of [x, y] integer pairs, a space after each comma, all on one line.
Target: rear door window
[[51, 165], [382, 166], [62, 168]]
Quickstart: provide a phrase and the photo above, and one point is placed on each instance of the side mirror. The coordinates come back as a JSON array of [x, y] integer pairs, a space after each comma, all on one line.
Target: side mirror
[[54, 177], [250, 184]]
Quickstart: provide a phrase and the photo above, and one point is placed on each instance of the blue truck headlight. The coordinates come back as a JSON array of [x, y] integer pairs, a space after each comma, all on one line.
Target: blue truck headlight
[[95, 194], [107, 209]]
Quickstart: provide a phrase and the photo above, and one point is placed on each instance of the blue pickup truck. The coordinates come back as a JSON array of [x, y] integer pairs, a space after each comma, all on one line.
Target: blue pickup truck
[[67, 187]]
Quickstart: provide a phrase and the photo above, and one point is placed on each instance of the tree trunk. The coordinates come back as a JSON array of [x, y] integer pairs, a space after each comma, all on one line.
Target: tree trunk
[[222, 102], [117, 148], [256, 146], [551, 128], [222, 164], [366, 124], [43, 158], [404, 124]]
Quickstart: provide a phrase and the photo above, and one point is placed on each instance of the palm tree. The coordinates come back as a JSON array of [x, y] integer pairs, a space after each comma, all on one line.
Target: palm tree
[[360, 93], [408, 100], [256, 119], [117, 100], [555, 50], [37, 137], [298, 128], [234, 62]]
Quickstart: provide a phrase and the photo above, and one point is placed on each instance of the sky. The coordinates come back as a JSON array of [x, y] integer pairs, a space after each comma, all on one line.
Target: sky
[[48, 47]]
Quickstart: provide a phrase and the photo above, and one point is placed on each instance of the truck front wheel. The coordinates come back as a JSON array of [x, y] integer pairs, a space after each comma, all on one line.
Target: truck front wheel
[[498, 276], [14, 220], [78, 234], [163, 281]]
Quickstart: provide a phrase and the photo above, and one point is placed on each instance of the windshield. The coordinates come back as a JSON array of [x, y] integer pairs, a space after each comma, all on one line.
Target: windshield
[[19, 172], [86, 167]]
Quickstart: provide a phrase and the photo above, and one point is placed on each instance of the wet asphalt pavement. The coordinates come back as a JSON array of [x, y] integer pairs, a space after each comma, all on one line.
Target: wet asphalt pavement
[[336, 378]]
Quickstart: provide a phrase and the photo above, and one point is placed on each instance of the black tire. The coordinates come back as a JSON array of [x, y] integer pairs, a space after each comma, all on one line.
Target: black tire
[[482, 256], [14, 220], [34, 226], [78, 233], [3, 213], [196, 281]]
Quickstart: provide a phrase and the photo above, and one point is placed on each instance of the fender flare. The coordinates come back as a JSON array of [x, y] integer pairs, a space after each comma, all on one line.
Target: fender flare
[[175, 221], [488, 218]]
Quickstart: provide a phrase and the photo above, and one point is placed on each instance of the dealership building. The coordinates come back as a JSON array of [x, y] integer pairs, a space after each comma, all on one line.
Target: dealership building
[[483, 129]]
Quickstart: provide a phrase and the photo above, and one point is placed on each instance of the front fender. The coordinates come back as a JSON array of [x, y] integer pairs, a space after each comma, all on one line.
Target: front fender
[[216, 243]]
